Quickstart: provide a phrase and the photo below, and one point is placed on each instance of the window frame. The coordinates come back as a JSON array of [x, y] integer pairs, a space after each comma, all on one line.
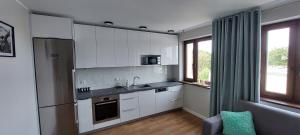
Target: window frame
[[195, 59], [294, 27]]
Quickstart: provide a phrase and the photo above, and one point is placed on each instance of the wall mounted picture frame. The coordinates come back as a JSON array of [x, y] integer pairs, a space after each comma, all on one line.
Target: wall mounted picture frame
[[7, 40]]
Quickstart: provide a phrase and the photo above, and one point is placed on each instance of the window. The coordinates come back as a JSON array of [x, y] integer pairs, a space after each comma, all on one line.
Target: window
[[197, 60], [280, 61]]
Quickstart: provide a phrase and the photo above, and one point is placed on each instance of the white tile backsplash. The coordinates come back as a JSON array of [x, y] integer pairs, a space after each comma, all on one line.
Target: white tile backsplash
[[98, 78]]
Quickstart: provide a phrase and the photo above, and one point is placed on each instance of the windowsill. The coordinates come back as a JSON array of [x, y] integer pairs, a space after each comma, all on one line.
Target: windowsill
[[196, 84], [283, 103]]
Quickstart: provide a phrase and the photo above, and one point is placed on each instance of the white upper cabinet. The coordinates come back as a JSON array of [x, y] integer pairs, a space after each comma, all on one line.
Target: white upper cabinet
[[139, 44], [156, 43], [169, 49], [121, 48], [105, 47], [85, 46], [165, 45], [51, 27], [134, 45], [144, 43], [111, 47]]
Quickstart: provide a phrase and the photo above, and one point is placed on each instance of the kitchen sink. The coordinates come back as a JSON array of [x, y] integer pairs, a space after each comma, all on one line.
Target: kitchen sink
[[144, 86], [139, 86]]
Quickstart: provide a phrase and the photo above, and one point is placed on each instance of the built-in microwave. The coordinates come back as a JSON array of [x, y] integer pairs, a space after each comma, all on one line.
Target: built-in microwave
[[151, 59]]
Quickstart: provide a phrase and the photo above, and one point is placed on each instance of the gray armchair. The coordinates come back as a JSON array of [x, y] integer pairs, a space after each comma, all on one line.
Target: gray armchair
[[267, 120]]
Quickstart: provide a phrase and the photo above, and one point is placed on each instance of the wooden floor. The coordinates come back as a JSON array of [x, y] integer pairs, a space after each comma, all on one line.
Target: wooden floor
[[172, 123]]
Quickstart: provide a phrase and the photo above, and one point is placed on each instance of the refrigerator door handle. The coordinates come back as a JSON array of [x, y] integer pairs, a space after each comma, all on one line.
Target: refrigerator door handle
[[74, 89], [76, 113]]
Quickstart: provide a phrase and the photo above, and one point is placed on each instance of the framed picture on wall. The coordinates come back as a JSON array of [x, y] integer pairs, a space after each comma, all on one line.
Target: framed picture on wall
[[7, 40]]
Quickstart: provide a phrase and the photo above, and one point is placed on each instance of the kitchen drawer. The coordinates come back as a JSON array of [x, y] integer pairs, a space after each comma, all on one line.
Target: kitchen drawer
[[128, 96], [176, 103], [129, 114], [129, 106], [129, 103], [175, 92]]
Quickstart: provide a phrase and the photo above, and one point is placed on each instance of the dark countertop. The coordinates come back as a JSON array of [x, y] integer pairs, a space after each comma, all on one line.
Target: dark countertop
[[115, 91]]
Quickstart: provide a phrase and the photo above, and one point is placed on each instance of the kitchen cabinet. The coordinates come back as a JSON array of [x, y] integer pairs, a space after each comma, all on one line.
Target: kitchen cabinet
[[139, 44], [121, 48], [165, 45], [169, 49], [111, 47], [175, 96], [162, 102], [144, 41], [156, 43], [85, 46], [147, 102], [105, 47], [170, 99], [129, 106], [134, 47], [85, 115], [51, 27]]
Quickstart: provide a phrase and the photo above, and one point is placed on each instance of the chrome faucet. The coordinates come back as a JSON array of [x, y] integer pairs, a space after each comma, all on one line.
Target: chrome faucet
[[134, 79]]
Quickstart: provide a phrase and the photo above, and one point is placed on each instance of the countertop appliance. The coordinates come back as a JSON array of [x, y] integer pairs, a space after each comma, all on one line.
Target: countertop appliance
[[54, 71], [105, 108], [151, 59]]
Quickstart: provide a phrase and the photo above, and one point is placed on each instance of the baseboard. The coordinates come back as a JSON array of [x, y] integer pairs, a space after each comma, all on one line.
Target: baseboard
[[195, 113]]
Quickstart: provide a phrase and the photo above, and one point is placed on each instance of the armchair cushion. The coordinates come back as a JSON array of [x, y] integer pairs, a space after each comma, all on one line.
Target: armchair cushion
[[237, 123]]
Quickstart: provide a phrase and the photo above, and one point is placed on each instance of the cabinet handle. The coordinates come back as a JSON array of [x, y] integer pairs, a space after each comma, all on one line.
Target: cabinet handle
[[173, 100], [129, 110], [73, 84], [105, 103], [76, 113], [128, 98]]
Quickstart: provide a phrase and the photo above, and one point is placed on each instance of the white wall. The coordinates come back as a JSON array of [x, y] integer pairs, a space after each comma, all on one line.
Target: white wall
[[277, 14], [18, 115], [281, 13], [196, 98], [196, 33], [99, 78]]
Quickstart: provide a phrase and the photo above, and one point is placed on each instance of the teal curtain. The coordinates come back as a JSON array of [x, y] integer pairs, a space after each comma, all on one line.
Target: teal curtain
[[235, 60]]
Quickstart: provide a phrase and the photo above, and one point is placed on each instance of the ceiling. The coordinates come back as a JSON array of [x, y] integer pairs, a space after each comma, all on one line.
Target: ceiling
[[159, 15]]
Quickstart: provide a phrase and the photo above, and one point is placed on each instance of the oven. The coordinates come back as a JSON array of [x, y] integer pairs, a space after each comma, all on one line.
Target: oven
[[105, 108]]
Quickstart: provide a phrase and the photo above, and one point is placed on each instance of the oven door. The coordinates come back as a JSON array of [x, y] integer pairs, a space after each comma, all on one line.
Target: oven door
[[105, 111]]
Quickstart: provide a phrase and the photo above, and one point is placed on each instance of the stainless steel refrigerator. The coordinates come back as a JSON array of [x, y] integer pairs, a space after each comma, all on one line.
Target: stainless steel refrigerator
[[54, 71]]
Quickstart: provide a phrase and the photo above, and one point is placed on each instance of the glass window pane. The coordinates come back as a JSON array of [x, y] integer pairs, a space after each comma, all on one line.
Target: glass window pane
[[189, 60], [277, 60], [204, 62]]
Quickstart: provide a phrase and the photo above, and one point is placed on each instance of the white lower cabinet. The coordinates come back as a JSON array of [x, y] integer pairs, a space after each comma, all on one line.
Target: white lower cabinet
[[129, 106], [170, 99], [176, 96], [147, 102], [132, 106], [162, 101], [85, 115]]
